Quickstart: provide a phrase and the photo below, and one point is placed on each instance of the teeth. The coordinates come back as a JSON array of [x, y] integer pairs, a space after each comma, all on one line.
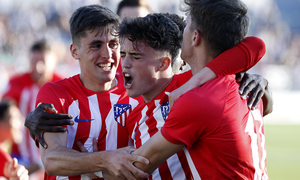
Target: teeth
[[126, 75], [105, 67]]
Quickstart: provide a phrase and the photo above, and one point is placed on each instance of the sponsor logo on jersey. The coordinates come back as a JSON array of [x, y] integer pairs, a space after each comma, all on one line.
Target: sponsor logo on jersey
[[165, 110], [82, 120], [121, 112]]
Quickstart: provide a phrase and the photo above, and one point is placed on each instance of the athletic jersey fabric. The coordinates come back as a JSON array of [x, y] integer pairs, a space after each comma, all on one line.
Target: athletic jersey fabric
[[23, 90], [224, 139], [96, 115], [148, 118], [4, 157]]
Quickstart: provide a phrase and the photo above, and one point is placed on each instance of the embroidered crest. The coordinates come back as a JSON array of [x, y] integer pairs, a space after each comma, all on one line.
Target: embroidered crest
[[121, 112], [165, 110]]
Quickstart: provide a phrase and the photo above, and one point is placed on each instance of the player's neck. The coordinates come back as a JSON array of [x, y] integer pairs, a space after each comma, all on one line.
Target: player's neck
[[161, 85]]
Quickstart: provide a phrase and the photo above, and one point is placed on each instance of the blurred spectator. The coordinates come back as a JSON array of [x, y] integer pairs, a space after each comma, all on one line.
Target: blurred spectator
[[10, 130], [133, 8], [22, 90]]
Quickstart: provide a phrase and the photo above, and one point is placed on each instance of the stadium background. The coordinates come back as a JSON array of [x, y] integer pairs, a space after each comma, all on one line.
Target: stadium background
[[274, 21]]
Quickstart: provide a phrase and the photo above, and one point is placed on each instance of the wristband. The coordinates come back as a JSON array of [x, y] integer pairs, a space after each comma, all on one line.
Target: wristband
[[99, 174]]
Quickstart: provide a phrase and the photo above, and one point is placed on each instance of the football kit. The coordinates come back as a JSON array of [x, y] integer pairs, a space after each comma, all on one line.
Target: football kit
[[148, 118], [96, 115]]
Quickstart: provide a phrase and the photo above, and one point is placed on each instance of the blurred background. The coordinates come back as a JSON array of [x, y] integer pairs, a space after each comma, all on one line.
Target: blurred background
[[276, 22]]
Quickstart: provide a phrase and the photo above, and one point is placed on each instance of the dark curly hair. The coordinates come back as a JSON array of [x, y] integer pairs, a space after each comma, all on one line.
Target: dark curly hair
[[223, 23], [92, 17], [157, 30]]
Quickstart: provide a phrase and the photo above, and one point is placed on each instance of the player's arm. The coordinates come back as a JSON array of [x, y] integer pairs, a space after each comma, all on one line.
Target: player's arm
[[38, 121], [60, 160], [239, 58], [157, 149]]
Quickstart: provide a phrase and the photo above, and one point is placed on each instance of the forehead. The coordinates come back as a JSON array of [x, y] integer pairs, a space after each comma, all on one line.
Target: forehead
[[139, 46], [109, 31]]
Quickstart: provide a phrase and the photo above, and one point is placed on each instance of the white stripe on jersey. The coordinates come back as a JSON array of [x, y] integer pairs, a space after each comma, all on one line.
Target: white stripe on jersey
[[143, 128], [157, 114], [173, 162], [176, 169], [73, 109], [191, 165], [96, 124], [111, 125]]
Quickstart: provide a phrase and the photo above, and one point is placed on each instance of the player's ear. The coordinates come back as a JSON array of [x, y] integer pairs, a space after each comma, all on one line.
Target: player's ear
[[74, 51], [165, 63], [197, 37]]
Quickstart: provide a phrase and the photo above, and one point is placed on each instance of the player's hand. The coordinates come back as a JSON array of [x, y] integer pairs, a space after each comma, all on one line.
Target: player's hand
[[253, 85], [38, 121], [120, 164], [15, 171]]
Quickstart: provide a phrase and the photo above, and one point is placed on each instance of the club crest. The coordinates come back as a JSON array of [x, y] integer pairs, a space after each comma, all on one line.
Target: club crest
[[165, 110], [121, 112]]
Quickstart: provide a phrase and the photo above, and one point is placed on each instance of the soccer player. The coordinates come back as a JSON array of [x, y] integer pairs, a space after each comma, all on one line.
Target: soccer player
[[171, 30], [146, 63], [221, 137], [22, 89], [95, 98]]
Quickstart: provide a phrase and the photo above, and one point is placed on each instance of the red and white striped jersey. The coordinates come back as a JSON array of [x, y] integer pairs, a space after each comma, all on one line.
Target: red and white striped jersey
[[147, 119], [23, 91], [96, 115]]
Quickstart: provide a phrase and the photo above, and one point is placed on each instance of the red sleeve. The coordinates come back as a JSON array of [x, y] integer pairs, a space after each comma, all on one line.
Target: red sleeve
[[239, 58], [4, 157]]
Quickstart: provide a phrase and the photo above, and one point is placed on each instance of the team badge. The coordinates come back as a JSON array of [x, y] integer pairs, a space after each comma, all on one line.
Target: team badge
[[165, 110], [121, 112]]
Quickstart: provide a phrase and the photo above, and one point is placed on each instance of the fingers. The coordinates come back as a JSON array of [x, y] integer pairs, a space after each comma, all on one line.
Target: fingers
[[246, 88], [81, 146], [40, 138], [95, 145], [47, 115], [14, 163], [239, 76], [256, 100], [46, 107], [55, 122]]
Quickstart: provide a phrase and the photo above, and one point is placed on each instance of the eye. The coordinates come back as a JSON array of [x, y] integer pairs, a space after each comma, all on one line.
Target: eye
[[113, 45], [123, 54], [96, 46]]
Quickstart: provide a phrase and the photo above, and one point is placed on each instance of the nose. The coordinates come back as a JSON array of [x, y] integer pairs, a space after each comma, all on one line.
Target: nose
[[106, 52]]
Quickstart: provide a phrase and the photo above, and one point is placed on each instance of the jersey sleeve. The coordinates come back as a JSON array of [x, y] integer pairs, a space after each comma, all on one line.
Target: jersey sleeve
[[47, 94], [239, 58]]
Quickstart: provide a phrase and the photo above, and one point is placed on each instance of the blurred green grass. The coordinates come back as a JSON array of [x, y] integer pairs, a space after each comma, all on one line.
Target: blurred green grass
[[283, 151]]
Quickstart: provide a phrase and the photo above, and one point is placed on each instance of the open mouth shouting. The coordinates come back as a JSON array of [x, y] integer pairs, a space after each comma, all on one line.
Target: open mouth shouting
[[128, 80]]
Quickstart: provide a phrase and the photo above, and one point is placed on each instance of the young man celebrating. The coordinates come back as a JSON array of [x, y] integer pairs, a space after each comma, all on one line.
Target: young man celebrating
[[95, 97], [221, 137], [147, 71]]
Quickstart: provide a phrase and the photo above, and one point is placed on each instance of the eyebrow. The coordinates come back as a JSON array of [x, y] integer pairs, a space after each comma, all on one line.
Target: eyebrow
[[96, 42]]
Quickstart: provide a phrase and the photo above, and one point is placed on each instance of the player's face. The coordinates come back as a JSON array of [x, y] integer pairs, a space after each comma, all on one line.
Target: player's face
[[186, 42], [140, 69], [99, 56], [42, 65]]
